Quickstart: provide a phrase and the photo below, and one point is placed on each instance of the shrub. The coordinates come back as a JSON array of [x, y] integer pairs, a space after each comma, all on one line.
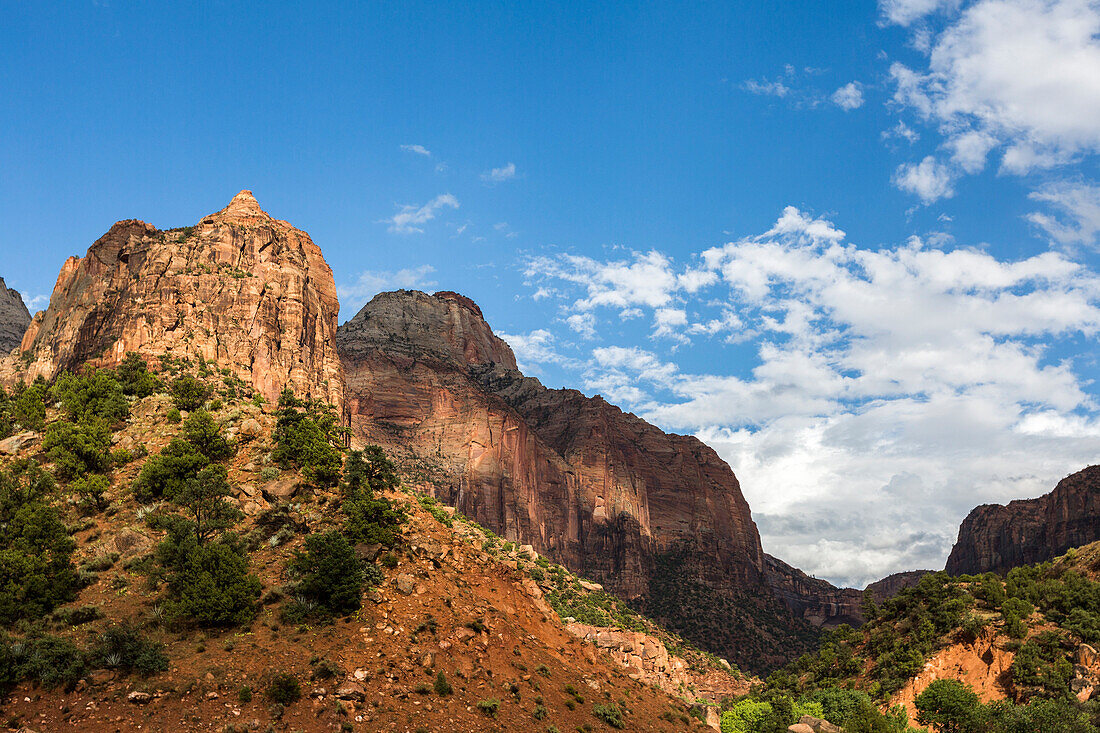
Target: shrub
[[167, 473], [203, 500], [244, 694], [28, 405], [189, 393], [368, 471], [325, 668], [77, 449], [442, 686], [89, 396], [283, 689], [609, 714], [36, 569], [372, 520], [135, 378], [331, 574], [307, 436], [174, 416], [489, 707], [950, 706], [92, 490], [48, 660], [208, 583], [202, 432], [122, 647]]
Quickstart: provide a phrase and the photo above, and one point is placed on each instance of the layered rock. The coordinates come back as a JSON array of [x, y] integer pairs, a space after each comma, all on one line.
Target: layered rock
[[14, 318], [651, 515], [242, 289], [997, 538], [816, 601]]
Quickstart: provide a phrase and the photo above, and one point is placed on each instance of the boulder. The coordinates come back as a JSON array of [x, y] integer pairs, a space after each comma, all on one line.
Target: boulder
[[139, 698], [405, 584], [15, 443]]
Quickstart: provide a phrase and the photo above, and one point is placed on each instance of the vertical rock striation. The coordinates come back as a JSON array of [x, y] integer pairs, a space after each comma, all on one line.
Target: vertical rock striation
[[14, 318], [247, 291]]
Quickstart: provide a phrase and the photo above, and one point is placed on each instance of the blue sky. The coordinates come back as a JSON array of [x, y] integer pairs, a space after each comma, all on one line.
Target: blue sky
[[850, 245]]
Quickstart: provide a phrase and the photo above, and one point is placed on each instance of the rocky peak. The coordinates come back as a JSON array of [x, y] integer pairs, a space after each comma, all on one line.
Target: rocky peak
[[14, 318], [246, 291], [242, 209], [447, 328]]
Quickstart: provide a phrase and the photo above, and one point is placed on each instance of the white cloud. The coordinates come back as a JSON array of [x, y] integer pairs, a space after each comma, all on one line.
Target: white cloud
[[371, 282], [1015, 76], [583, 324], [532, 349], [848, 97], [499, 175], [929, 179], [906, 12], [901, 131], [892, 390], [766, 88], [409, 218], [418, 149], [1079, 206]]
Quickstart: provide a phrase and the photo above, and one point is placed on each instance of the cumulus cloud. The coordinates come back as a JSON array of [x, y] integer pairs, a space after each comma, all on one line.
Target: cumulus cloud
[[418, 149], [848, 97], [1016, 77], [409, 218], [892, 389], [532, 349], [371, 282], [928, 179], [499, 175]]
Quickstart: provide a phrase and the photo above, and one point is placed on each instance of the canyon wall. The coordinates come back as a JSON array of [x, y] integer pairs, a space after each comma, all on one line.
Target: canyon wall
[[14, 318]]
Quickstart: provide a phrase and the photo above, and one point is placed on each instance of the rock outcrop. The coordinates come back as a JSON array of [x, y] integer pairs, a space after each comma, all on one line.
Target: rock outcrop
[[891, 585], [14, 318], [242, 289], [814, 600], [997, 538], [601, 491]]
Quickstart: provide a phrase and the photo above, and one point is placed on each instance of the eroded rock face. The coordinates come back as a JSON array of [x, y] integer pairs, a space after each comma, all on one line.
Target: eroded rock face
[[893, 584], [601, 491], [816, 601], [243, 289], [997, 538], [14, 318]]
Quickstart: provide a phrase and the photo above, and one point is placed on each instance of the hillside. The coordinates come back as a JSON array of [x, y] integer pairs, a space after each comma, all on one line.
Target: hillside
[[968, 653], [136, 627]]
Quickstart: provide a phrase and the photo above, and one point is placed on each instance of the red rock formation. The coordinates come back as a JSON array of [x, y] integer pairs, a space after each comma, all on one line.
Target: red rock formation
[[997, 538], [241, 288], [816, 601], [14, 318], [891, 585], [602, 491]]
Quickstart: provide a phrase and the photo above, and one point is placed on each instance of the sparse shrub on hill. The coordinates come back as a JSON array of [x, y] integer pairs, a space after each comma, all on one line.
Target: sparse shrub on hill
[[165, 474], [28, 405], [77, 449], [368, 516], [189, 393], [208, 584], [36, 568], [92, 492], [202, 431], [951, 707], [330, 576], [122, 647], [307, 436], [46, 660], [203, 500], [94, 395], [7, 423], [135, 378]]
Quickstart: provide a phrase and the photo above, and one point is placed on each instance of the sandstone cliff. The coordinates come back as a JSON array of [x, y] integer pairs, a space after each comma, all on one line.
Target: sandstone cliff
[[14, 318], [997, 538], [658, 518], [250, 292], [817, 601], [891, 585]]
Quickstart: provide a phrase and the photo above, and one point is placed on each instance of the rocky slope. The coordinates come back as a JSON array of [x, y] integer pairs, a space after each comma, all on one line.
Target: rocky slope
[[14, 318], [242, 289], [815, 600], [653, 516], [997, 538], [891, 585]]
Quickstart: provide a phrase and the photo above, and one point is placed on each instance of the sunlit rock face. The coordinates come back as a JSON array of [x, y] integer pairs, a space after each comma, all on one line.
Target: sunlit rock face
[[14, 318], [249, 292]]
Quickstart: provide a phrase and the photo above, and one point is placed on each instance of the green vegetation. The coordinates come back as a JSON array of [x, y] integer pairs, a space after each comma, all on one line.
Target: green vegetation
[[609, 714], [36, 567], [368, 516], [189, 393], [122, 647], [135, 378], [307, 436], [490, 706], [283, 689], [331, 576]]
